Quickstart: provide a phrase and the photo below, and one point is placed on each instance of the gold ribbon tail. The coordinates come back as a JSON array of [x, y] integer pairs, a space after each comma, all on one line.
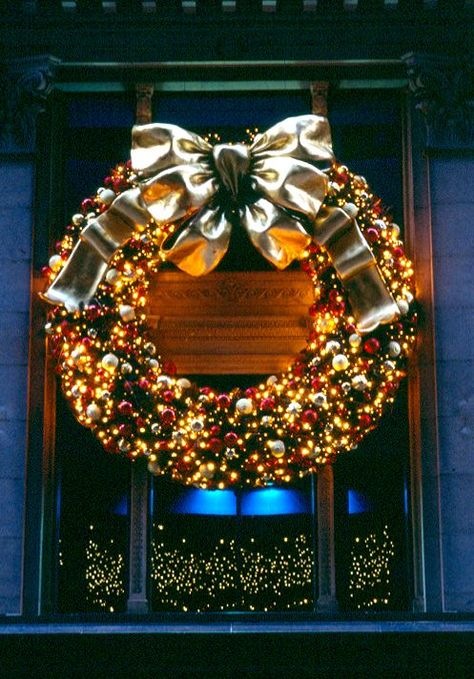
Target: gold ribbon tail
[[337, 231], [77, 282]]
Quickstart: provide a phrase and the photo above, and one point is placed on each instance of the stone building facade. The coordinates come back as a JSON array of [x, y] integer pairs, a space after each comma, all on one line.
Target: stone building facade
[[423, 50]]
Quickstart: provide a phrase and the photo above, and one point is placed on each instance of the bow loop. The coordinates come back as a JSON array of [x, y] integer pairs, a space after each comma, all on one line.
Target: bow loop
[[305, 138], [158, 147]]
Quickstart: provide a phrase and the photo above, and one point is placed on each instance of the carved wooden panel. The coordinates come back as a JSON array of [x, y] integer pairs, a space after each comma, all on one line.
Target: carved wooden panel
[[230, 322]]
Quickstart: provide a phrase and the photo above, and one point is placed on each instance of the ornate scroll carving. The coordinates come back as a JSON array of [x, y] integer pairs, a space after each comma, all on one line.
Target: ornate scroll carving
[[144, 94], [443, 89], [24, 86], [224, 323], [319, 98]]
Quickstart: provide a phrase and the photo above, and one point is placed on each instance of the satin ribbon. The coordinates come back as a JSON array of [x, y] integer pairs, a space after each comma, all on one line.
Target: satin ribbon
[[273, 189]]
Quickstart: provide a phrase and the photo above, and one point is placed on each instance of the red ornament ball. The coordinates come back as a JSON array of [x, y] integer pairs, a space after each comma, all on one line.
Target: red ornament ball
[[371, 346]]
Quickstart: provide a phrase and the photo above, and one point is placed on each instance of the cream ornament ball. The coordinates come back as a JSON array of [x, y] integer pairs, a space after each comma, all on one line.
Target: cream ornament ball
[[105, 196], [55, 262], [359, 382], [112, 276], [94, 412], [244, 406], [403, 306], [394, 349], [110, 362], [197, 425], [319, 399], [126, 369], [127, 312]]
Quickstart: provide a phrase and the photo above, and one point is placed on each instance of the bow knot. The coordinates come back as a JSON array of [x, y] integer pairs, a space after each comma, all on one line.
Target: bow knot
[[232, 162]]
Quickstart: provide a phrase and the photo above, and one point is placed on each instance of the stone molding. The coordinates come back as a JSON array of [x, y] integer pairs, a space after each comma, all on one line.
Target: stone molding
[[443, 90], [24, 87]]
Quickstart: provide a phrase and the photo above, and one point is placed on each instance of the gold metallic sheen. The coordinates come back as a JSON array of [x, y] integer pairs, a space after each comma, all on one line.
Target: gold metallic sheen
[[204, 190]]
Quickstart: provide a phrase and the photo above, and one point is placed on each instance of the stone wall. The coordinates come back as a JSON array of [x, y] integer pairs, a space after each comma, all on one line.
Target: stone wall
[[16, 189], [452, 191]]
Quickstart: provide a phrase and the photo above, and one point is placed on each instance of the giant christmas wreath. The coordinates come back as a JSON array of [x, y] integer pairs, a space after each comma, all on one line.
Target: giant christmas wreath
[[178, 201]]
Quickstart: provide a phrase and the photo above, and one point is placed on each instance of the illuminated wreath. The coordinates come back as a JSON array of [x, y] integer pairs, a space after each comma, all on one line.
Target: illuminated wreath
[[333, 394]]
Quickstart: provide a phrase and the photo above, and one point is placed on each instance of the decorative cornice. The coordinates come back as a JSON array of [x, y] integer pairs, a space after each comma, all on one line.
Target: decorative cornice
[[24, 86], [443, 89]]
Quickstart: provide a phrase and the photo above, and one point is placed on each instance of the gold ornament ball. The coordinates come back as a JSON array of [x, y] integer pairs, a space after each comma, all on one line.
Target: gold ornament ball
[[355, 340], [340, 362], [207, 470], [277, 448], [154, 468]]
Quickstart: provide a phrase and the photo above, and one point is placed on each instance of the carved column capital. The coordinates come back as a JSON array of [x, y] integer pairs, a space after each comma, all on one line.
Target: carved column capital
[[319, 97], [443, 90], [24, 86], [144, 95]]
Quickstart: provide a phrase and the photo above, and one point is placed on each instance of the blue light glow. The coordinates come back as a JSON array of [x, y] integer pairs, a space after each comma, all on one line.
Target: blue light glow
[[215, 502], [358, 503], [262, 502], [121, 507], [271, 501]]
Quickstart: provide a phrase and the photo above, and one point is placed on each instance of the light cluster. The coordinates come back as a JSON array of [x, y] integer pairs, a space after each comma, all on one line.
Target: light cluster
[[104, 575], [139, 406], [231, 576], [370, 578]]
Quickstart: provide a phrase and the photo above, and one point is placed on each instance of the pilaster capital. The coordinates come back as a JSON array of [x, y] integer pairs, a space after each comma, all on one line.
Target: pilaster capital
[[443, 90], [24, 87]]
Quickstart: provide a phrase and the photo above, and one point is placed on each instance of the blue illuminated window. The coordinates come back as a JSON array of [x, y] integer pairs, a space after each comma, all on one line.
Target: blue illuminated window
[[262, 502], [358, 503]]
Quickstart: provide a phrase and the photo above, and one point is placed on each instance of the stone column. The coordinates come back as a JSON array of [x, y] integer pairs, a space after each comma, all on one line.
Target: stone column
[[24, 86], [327, 602], [138, 563], [443, 166], [138, 535]]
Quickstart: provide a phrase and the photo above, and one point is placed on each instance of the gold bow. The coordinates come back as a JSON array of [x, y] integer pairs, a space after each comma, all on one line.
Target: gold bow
[[270, 188]]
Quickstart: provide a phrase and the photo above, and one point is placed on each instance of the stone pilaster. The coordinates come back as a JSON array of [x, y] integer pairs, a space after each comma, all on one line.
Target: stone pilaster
[[24, 86], [443, 178]]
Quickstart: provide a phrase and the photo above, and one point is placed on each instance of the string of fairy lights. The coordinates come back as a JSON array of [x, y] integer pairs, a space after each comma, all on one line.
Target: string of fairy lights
[[370, 580], [105, 573], [139, 406], [227, 576]]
